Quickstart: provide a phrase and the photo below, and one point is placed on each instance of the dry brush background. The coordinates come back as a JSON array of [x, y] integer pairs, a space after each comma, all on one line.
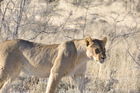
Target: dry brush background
[[56, 21]]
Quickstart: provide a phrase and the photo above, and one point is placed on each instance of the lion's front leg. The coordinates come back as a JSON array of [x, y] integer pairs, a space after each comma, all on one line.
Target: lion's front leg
[[79, 78], [63, 64], [53, 81], [56, 74]]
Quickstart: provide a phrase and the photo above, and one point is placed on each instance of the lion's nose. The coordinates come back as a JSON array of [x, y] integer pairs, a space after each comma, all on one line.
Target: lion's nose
[[103, 57]]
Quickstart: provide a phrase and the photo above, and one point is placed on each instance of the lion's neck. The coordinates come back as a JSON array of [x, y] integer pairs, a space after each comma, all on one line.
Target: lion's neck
[[81, 50]]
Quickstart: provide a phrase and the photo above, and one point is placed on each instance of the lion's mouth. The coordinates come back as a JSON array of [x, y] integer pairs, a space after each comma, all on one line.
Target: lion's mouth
[[102, 61], [96, 60]]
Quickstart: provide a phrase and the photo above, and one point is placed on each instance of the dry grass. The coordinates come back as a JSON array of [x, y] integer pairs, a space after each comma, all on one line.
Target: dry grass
[[67, 19]]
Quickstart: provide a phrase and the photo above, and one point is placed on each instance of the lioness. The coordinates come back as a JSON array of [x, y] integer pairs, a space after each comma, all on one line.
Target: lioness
[[55, 61]]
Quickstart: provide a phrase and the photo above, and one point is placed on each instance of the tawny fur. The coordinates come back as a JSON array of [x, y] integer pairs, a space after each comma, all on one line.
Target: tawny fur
[[54, 61]]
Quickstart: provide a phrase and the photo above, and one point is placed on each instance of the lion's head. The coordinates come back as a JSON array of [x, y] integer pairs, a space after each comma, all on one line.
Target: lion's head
[[96, 49]]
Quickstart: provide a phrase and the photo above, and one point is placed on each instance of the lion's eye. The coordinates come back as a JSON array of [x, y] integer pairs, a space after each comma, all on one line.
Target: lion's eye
[[97, 51]]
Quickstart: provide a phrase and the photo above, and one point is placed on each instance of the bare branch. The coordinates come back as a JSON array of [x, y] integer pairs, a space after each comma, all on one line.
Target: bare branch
[[22, 4]]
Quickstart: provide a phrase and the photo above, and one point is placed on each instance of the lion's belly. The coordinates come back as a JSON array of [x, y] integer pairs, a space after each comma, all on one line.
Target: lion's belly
[[39, 68], [38, 64]]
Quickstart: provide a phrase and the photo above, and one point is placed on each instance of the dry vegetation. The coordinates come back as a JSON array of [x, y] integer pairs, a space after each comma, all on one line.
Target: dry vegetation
[[56, 21]]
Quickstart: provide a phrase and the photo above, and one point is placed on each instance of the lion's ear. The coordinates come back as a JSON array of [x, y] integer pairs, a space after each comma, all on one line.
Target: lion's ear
[[104, 40], [88, 40]]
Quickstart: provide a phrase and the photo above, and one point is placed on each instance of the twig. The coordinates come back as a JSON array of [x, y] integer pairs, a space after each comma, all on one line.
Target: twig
[[22, 4], [131, 54], [85, 23], [133, 58], [67, 19]]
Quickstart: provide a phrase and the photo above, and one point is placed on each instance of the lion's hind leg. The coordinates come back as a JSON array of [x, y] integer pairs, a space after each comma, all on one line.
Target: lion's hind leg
[[9, 69], [6, 77], [3, 80], [2, 77]]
